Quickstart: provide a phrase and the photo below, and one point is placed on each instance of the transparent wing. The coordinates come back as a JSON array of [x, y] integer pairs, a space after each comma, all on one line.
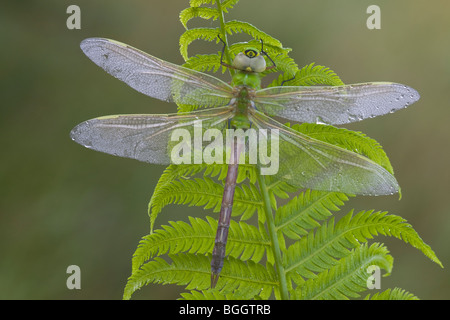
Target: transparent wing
[[151, 138], [309, 163], [335, 105], [154, 77]]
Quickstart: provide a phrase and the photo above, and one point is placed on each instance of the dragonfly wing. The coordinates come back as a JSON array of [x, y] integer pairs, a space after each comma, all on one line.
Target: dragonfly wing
[[313, 164], [150, 138], [154, 77], [335, 105]]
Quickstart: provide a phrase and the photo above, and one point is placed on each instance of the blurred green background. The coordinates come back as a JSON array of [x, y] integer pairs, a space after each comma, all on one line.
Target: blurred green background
[[61, 204]]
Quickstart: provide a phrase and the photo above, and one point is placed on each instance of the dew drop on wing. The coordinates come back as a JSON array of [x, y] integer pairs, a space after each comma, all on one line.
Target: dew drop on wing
[[78, 134], [319, 120]]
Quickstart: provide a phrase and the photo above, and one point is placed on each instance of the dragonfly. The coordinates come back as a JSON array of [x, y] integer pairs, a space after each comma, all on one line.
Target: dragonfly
[[241, 104]]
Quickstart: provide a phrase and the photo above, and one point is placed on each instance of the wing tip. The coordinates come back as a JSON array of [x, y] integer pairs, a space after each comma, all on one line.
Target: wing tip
[[88, 43], [411, 94], [80, 134], [415, 96]]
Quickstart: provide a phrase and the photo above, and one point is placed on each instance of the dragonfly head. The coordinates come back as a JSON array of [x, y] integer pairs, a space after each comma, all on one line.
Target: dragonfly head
[[250, 60]]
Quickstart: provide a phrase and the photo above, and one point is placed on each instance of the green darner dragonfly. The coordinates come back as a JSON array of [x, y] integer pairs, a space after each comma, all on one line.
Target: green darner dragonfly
[[303, 161]]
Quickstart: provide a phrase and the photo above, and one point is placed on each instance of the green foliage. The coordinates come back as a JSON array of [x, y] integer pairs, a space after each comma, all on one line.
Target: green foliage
[[394, 294], [318, 258], [350, 140]]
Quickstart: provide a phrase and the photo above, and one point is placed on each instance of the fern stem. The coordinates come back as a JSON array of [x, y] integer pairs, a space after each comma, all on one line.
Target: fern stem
[[273, 237], [224, 35]]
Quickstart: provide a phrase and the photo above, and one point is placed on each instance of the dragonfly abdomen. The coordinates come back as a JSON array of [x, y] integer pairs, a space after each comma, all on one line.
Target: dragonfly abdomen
[[220, 243]]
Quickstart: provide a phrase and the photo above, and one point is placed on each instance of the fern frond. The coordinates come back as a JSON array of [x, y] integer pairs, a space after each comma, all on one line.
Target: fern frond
[[196, 192], [346, 139], [204, 62], [210, 294], [235, 26], [207, 34], [321, 247], [173, 173], [198, 12], [316, 252], [366, 224], [285, 64], [303, 212], [316, 74], [208, 194], [193, 271], [248, 278], [184, 269], [196, 237], [244, 241], [309, 75], [228, 4], [198, 3], [349, 277], [394, 294]]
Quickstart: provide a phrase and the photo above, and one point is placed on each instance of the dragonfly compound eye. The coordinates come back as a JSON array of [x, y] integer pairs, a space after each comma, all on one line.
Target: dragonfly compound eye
[[251, 53]]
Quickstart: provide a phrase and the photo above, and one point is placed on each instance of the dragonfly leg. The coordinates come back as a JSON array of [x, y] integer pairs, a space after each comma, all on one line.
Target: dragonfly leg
[[223, 51], [282, 82], [274, 65]]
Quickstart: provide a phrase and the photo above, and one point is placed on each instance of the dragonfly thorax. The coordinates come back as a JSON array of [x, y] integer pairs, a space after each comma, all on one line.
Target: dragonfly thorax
[[251, 80], [243, 96]]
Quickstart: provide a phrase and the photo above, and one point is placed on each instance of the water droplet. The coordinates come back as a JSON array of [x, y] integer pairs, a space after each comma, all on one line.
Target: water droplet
[[319, 120]]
